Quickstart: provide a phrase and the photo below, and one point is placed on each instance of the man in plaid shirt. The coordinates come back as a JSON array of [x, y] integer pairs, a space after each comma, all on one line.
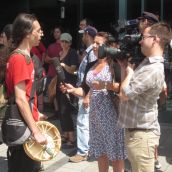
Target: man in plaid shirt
[[139, 92]]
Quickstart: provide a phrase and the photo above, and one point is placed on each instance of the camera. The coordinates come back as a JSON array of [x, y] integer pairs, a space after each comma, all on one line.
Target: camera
[[129, 48], [105, 51], [128, 40], [114, 53]]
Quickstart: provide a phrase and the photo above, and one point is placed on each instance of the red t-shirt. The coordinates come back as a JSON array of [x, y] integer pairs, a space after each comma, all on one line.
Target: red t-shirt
[[18, 70], [39, 50], [53, 51]]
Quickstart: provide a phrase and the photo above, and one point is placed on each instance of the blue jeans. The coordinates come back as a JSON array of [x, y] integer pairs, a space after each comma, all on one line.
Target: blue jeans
[[82, 129]]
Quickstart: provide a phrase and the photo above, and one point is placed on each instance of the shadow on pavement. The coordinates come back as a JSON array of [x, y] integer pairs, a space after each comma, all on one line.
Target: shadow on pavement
[[165, 119], [2, 158]]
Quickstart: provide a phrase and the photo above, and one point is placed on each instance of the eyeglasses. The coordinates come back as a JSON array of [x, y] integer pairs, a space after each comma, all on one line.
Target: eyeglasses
[[64, 41], [40, 31], [143, 37]]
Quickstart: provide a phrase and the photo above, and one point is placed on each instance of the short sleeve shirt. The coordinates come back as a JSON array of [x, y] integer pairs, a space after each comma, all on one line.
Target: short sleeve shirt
[[17, 71], [53, 51], [71, 59], [39, 50]]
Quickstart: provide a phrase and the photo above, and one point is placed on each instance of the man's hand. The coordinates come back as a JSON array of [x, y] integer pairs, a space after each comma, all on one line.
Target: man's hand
[[39, 138], [129, 69], [164, 89], [126, 77], [123, 63]]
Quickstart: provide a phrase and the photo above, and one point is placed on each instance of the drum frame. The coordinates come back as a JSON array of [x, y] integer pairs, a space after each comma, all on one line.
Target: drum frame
[[39, 152]]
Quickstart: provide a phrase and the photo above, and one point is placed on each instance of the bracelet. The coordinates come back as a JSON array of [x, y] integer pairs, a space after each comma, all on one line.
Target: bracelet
[[105, 85], [119, 87]]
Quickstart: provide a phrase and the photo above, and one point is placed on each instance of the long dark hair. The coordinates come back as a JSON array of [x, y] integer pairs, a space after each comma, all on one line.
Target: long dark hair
[[4, 54], [8, 31], [22, 26]]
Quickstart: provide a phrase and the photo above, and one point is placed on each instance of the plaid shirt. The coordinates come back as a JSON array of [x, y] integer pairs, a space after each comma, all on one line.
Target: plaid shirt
[[89, 57], [140, 111]]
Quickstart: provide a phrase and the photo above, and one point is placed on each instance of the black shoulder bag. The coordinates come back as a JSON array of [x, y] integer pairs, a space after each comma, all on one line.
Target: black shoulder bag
[[14, 129]]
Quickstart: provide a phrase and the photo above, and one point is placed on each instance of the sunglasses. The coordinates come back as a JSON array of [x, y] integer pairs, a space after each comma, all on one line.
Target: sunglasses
[[64, 41]]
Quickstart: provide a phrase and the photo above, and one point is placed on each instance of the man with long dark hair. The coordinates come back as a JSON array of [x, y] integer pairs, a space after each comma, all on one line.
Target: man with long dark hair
[[19, 80]]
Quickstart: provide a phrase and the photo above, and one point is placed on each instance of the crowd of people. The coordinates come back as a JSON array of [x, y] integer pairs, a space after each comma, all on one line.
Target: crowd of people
[[115, 101]]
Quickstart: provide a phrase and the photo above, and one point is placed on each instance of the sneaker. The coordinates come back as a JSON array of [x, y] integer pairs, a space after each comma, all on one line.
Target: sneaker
[[157, 164], [78, 158]]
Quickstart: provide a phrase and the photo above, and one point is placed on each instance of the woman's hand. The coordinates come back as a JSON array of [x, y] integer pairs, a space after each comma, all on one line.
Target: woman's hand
[[97, 85], [86, 100], [63, 88], [69, 88]]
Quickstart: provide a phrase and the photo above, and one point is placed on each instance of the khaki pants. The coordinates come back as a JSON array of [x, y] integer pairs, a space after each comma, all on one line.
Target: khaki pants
[[141, 147]]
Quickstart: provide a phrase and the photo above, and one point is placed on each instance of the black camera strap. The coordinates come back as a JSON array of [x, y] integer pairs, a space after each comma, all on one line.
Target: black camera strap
[[87, 56]]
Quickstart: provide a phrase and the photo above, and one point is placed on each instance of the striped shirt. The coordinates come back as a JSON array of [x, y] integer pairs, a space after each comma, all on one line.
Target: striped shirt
[[140, 110], [89, 57]]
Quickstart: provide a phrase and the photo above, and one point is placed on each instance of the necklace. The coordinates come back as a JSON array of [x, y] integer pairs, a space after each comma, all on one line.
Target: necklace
[[24, 52]]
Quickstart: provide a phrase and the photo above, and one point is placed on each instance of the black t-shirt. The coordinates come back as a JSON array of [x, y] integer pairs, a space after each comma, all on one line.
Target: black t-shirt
[[81, 47], [71, 59]]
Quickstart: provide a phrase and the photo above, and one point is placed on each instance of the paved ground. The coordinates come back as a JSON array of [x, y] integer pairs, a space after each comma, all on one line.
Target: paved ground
[[60, 162]]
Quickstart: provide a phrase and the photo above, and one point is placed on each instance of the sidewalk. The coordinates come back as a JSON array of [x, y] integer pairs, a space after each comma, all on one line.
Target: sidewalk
[[60, 162]]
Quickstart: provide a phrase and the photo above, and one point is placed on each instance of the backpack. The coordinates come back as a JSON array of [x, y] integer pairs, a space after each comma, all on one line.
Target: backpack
[[39, 83], [14, 128], [40, 77]]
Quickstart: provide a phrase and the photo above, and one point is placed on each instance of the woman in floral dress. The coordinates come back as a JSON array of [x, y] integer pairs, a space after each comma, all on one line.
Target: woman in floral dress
[[106, 139]]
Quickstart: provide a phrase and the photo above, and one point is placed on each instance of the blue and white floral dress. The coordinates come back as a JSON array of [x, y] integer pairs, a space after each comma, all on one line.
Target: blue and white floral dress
[[105, 137]]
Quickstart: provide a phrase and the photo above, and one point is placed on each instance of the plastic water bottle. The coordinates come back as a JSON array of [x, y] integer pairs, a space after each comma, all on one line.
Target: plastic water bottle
[[49, 150]]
